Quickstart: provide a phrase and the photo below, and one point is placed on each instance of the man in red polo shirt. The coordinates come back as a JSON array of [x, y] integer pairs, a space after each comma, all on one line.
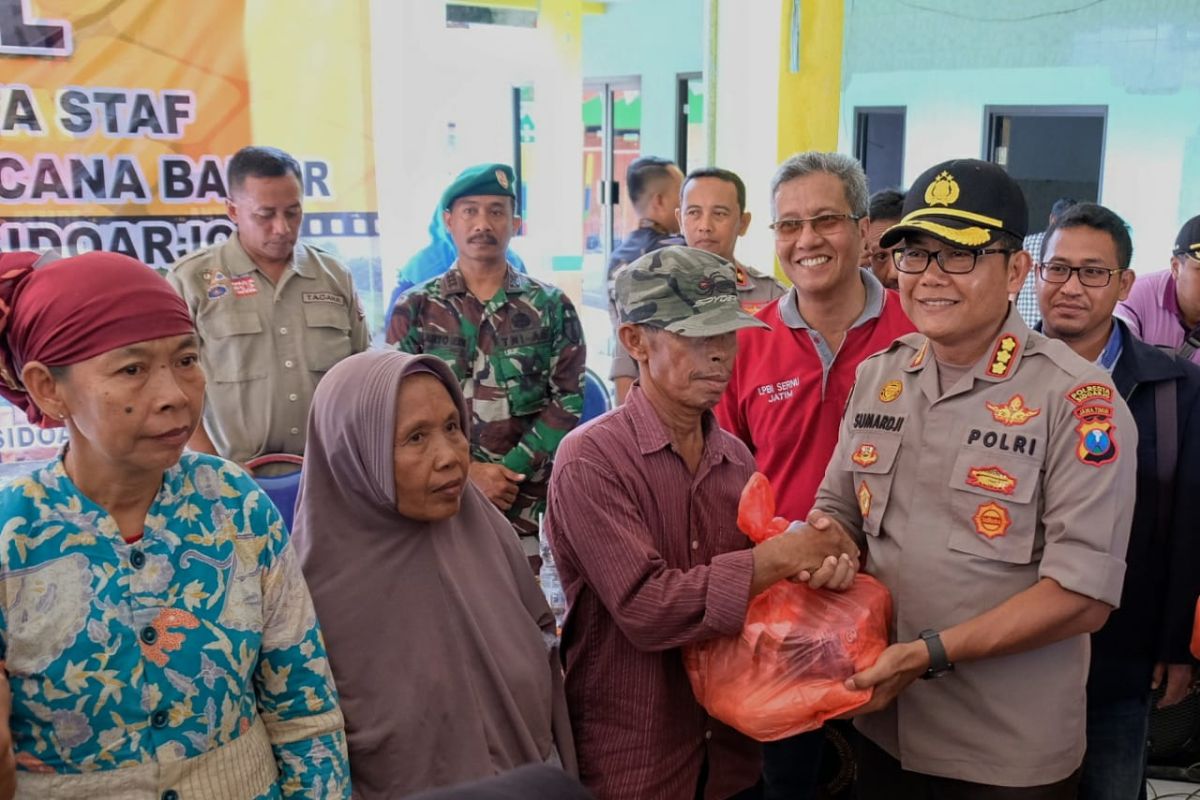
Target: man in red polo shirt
[[790, 382]]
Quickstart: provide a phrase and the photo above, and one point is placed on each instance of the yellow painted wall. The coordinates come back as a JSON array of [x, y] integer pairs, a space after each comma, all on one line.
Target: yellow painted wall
[[308, 63], [809, 99]]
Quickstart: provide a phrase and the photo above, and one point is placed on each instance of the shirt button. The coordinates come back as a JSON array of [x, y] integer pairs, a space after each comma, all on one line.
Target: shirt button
[[295, 431], [149, 635], [159, 719], [137, 559], [293, 397], [707, 735], [695, 544], [283, 331], [170, 794], [289, 363]]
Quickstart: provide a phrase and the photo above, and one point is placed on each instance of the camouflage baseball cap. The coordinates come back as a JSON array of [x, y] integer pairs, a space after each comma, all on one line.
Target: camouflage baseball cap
[[682, 290]]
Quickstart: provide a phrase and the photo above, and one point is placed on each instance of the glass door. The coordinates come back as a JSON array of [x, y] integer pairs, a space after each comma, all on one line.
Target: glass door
[[612, 129]]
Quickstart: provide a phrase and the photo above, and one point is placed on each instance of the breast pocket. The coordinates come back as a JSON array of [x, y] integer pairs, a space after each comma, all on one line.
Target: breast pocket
[[872, 462], [994, 502], [327, 329], [233, 352], [522, 373]]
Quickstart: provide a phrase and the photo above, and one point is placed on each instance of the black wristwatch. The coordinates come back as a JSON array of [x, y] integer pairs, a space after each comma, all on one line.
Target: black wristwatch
[[939, 664]]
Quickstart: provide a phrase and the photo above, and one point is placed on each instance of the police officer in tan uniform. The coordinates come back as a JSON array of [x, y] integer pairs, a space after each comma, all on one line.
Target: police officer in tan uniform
[[272, 314], [989, 472], [712, 216]]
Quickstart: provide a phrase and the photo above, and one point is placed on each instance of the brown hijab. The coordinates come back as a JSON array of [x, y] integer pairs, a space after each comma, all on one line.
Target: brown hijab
[[436, 632]]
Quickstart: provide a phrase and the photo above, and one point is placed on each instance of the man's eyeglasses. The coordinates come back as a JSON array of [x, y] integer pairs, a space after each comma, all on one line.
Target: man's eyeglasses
[[1094, 277], [1191, 255], [824, 225], [915, 260]]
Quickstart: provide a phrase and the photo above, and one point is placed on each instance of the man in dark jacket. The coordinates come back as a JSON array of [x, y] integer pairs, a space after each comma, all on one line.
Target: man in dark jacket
[[652, 185], [1083, 273]]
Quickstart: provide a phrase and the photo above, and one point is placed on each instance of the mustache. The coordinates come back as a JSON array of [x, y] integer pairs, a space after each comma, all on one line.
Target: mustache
[[485, 238]]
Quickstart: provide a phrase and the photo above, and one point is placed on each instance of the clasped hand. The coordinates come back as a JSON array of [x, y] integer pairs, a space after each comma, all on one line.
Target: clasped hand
[[826, 557]]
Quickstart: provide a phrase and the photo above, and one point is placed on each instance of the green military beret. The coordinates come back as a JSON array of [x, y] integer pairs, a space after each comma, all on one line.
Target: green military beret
[[485, 179]]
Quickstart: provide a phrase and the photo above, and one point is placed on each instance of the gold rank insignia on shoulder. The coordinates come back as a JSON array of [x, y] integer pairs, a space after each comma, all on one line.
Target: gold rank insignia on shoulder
[[501, 179], [1002, 357], [890, 391], [919, 358], [1014, 412], [943, 191]]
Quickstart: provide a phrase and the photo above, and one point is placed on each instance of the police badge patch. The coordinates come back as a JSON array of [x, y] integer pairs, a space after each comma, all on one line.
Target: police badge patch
[[1097, 445]]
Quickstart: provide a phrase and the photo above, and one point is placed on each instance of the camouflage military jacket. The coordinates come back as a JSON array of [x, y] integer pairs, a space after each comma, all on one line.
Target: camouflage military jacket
[[519, 358]]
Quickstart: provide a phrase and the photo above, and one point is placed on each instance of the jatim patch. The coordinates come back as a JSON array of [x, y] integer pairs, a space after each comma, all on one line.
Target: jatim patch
[[1097, 443]]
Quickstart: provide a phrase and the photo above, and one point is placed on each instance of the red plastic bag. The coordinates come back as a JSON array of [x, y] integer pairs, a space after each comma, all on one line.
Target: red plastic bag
[[785, 673]]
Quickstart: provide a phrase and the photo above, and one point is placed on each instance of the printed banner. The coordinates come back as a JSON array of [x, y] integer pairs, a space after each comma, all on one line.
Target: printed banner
[[117, 120]]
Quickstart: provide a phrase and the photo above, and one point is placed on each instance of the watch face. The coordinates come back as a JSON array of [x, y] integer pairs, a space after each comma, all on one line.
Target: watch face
[[937, 673]]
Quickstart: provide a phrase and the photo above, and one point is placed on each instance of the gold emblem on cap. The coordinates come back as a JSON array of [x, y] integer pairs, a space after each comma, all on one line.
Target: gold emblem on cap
[[943, 191], [501, 179]]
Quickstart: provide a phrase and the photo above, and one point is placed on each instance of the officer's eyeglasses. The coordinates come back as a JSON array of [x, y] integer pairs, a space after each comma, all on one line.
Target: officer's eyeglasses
[[1191, 255], [1093, 277], [824, 225], [915, 260]]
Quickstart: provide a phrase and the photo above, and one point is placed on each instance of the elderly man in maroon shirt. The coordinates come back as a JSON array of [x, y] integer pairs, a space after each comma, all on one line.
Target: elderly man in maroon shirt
[[642, 519]]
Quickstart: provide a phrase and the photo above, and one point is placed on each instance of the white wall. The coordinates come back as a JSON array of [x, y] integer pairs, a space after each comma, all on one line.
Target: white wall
[[426, 76], [747, 118]]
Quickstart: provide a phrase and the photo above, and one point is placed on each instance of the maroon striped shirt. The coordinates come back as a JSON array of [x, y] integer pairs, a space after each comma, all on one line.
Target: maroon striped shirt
[[651, 559]]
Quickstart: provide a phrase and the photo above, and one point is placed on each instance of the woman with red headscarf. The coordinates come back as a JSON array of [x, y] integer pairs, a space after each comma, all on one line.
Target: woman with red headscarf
[[154, 623]]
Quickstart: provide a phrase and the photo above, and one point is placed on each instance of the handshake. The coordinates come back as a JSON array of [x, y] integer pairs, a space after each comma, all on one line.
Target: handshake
[[818, 552]]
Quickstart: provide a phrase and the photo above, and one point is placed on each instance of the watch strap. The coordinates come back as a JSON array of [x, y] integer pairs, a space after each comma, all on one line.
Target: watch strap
[[939, 662]]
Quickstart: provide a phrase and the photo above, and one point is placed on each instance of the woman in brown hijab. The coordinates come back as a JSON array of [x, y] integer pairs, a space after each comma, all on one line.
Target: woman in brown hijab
[[441, 644]]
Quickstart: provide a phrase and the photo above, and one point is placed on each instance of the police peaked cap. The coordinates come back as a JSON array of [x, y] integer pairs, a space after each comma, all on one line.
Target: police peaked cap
[[964, 202]]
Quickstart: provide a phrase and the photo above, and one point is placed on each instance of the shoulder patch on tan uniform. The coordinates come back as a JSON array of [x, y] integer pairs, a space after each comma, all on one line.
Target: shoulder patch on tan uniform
[[1058, 352]]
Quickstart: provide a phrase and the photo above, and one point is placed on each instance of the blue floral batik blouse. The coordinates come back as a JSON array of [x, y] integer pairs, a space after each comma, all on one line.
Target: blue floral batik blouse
[[187, 664]]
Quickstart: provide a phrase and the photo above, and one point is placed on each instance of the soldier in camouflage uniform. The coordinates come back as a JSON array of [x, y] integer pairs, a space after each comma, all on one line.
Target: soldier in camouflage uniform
[[514, 342]]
